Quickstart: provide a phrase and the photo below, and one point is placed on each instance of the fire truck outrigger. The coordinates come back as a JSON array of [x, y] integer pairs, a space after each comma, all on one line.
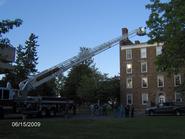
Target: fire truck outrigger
[[17, 101]]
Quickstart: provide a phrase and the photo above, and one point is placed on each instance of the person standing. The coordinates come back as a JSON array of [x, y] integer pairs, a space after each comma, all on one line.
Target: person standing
[[127, 111], [132, 110], [122, 111], [74, 109]]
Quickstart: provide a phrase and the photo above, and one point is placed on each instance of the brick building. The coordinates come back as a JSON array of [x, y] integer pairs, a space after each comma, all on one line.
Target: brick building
[[141, 84]]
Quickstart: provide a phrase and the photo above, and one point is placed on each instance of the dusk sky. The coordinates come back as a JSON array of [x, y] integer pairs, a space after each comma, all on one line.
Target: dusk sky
[[63, 26]]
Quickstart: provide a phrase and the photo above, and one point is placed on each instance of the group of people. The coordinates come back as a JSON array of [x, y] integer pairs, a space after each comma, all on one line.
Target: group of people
[[100, 110], [117, 110], [129, 111]]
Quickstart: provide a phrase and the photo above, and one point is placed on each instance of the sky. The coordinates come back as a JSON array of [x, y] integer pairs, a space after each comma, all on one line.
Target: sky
[[63, 26]]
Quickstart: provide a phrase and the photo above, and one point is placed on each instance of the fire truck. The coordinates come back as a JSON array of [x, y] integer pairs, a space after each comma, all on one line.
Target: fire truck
[[14, 101]]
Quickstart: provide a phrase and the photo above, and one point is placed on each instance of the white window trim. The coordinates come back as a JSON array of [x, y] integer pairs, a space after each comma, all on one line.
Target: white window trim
[[131, 69], [146, 67], [176, 97], [127, 82], [143, 97], [131, 95], [128, 58], [158, 81], [142, 82], [175, 79], [157, 51], [144, 48]]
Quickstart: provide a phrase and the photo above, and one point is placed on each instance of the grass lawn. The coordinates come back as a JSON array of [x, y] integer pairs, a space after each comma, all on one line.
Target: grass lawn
[[170, 127]]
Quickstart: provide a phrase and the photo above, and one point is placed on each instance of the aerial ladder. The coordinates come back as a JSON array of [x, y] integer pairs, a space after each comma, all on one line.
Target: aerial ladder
[[57, 70]]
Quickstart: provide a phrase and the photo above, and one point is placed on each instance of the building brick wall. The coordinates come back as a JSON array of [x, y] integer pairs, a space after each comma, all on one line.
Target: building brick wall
[[152, 90]]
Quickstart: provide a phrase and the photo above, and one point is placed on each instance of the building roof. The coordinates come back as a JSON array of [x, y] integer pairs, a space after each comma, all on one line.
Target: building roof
[[133, 46]]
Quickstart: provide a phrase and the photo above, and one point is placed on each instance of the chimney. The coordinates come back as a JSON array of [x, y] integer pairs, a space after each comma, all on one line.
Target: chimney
[[124, 31], [126, 41]]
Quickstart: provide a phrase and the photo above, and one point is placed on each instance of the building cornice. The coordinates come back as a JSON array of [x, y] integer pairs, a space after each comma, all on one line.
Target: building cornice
[[141, 45]]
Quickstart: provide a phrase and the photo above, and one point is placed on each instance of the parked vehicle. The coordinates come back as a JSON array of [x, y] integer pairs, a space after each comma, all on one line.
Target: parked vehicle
[[167, 108]]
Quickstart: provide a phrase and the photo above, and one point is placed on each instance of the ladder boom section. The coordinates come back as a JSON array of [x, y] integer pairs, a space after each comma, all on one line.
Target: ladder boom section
[[46, 75]]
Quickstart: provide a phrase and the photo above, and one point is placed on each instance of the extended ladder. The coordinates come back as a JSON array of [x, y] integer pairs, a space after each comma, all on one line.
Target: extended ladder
[[46, 75]]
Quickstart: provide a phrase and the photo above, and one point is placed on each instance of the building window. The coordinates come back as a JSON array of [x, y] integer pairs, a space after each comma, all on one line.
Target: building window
[[128, 54], [143, 67], [129, 99], [143, 53], [178, 97], [129, 82], [144, 99], [177, 80], [160, 81], [129, 68], [158, 50], [144, 82]]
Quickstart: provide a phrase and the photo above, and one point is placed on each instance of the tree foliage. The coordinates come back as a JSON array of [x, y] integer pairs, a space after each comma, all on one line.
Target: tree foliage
[[26, 61], [26, 58], [85, 51], [46, 89], [167, 25], [93, 88], [19, 67], [109, 89], [30, 55], [85, 83], [74, 78], [5, 26], [87, 88]]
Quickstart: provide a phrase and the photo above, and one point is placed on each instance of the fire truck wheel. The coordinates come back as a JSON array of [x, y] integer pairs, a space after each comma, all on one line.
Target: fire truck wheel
[[1, 113], [52, 112], [43, 112], [178, 113]]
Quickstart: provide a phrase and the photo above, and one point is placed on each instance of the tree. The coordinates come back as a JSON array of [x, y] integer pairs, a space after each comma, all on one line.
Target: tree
[[75, 75], [85, 51], [87, 89], [109, 89], [167, 25], [85, 83], [98, 87], [30, 55], [26, 61], [46, 89], [19, 68], [73, 80], [5, 26]]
